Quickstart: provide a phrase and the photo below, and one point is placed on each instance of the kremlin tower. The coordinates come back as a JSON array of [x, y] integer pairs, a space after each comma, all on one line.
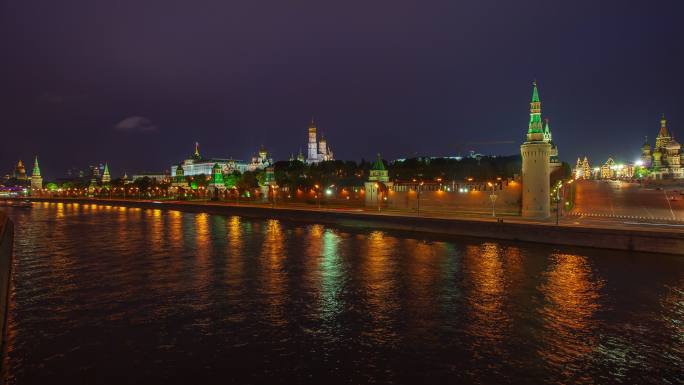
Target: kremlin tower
[[106, 178], [377, 184], [555, 163], [536, 158], [36, 179]]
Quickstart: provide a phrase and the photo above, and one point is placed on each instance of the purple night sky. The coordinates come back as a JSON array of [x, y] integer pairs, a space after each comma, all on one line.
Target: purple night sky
[[136, 83]]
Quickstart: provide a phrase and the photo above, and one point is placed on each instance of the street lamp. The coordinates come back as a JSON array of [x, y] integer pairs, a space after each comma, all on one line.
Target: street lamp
[[418, 196], [318, 195], [377, 194], [492, 197], [274, 190], [557, 190]]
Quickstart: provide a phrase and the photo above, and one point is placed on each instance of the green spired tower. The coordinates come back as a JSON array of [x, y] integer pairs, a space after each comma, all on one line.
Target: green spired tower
[[106, 178], [36, 178], [536, 153], [378, 180], [216, 183]]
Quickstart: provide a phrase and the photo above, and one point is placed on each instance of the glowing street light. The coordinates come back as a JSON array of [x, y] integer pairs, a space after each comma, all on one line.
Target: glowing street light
[[418, 196]]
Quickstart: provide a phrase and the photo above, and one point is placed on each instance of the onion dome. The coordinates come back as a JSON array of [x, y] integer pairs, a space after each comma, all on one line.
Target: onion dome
[[673, 145]]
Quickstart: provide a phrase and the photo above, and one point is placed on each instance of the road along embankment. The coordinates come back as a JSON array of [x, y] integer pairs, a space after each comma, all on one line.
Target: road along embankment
[[6, 247], [628, 239]]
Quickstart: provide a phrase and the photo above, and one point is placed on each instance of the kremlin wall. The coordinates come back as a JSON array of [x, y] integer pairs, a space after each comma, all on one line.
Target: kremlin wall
[[528, 193], [528, 196]]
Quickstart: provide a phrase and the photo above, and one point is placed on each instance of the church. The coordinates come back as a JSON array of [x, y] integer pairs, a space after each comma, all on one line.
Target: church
[[665, 160], [318, 151]]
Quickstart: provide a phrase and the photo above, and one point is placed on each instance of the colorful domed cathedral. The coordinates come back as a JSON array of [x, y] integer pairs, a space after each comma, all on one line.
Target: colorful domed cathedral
[[666, 159]]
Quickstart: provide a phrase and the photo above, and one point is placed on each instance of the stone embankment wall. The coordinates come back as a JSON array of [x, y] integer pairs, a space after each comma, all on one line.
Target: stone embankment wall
[[642, 240], [6, 247]]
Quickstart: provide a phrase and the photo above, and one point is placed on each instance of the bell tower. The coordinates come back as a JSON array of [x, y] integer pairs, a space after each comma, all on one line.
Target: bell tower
[[313, 144]]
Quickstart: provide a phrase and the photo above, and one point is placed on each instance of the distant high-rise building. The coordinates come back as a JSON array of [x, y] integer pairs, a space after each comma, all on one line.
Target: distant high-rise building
[[36, 178], [536, 157], [94, 171]]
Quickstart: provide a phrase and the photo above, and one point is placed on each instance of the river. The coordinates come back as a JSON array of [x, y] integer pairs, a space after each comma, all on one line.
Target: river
[[113, 295]]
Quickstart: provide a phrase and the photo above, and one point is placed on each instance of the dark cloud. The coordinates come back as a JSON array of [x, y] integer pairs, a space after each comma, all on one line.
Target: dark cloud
[[136, 124]]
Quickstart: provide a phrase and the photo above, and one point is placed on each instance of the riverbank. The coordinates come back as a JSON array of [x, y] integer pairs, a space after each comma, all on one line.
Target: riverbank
[[628, 239], [6, 247]]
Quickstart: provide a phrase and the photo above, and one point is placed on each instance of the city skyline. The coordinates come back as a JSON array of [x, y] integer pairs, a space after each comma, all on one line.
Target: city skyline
[[417, 82]]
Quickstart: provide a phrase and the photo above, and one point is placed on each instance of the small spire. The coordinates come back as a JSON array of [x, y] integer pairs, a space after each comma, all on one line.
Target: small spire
[[36, 167], [197, 153], [312, 124], [663, 127], [379, 165], [535, 92]]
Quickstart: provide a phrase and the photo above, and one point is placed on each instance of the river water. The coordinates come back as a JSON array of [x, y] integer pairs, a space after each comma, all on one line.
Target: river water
[[113, 295]]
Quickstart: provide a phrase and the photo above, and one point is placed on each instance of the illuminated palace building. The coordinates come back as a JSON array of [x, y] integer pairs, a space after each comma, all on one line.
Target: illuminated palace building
[[666, 159], [197, 165]]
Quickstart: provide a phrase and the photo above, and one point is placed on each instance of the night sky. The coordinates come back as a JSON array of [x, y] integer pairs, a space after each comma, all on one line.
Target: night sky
[[136, 83]]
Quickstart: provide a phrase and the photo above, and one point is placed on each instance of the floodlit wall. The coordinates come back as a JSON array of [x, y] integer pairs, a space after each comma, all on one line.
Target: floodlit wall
[[465, 197]]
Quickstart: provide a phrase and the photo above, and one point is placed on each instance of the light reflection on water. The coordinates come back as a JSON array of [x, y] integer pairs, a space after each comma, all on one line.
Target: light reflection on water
[[572, 297], [176, 297]]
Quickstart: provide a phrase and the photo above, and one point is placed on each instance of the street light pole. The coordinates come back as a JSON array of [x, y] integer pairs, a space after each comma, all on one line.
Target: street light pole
[[274, 188], [377, 195], [418, 196], [558, 204]]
